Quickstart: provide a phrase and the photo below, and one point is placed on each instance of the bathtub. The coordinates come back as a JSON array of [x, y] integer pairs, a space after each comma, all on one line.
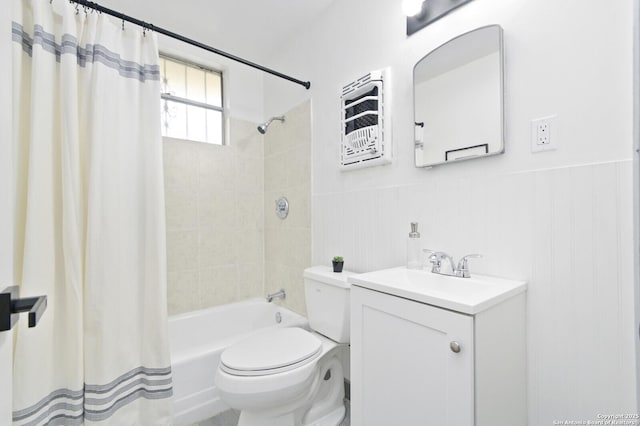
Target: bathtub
[[198, 338]]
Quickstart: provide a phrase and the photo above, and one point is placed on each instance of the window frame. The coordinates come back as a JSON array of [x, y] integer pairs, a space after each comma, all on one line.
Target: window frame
[[165, 96]]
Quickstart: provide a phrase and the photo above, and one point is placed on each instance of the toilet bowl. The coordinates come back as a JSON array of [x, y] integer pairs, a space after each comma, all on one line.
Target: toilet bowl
[[292, 376]]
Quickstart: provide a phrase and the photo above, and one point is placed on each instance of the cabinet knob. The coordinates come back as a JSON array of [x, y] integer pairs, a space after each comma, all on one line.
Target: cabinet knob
[[455, 346]]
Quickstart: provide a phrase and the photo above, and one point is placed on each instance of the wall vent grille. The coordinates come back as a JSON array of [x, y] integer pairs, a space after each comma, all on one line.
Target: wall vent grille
[[365, 131]]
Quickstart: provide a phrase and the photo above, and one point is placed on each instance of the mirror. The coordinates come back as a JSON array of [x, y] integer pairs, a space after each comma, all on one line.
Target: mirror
[[458, 99]]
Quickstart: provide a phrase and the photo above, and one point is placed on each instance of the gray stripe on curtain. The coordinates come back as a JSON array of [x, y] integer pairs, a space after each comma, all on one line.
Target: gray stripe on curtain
[[75, 416], [141, 382], [135, 372], [132, 384], [91, 53], [47, 400], [64, 420], [98, 415]]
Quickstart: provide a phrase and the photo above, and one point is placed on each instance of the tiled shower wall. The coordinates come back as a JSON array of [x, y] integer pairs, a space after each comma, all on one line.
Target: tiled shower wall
[[215, 219], [224, 241], [287, 172]]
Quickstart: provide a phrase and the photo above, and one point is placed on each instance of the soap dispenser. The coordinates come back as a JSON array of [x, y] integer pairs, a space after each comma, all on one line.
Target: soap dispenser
[[413, 247]]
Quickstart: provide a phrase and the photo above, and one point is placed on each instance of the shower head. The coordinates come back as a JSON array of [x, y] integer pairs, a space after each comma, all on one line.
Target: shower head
[[263, 127]]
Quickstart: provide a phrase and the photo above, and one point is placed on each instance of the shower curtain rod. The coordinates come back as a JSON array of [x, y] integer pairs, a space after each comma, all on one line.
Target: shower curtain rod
[[148, 26]]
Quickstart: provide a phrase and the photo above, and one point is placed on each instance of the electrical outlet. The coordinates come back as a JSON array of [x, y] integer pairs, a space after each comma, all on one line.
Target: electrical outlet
[[542, 137], [544, 134]]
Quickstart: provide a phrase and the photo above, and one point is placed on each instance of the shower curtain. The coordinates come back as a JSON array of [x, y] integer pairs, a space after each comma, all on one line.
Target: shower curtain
[[90, 211]]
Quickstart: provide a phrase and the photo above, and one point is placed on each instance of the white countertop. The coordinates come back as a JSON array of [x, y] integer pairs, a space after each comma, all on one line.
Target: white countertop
[[466, 295]]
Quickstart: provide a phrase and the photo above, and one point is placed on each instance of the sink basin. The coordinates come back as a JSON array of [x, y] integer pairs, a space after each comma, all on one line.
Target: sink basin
[[466, 295]]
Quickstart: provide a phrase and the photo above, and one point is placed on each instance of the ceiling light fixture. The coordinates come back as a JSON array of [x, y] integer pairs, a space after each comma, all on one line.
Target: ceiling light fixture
[[422, 13], [411, 7]]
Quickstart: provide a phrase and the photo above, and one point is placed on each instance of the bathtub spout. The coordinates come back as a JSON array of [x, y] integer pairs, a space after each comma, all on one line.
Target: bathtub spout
[[277, 295]]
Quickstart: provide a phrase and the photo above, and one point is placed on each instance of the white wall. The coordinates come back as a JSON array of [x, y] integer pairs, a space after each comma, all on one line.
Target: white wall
[[562, 219], [636, 177], [557, 62]]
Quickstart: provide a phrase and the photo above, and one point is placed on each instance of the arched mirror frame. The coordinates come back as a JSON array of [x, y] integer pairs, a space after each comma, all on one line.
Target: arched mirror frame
[[474, 148]]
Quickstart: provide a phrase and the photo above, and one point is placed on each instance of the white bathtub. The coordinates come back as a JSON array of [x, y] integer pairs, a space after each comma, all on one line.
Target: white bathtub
[[198, 338]]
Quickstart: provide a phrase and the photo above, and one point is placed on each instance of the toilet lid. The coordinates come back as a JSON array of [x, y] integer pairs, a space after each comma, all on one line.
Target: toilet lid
[[271, 352]]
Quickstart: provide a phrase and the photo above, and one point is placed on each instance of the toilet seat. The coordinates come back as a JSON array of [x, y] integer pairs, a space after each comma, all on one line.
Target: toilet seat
[[271, 352]]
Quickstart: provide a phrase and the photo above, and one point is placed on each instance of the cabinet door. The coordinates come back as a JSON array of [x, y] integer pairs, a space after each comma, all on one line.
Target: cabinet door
[[403, 370]]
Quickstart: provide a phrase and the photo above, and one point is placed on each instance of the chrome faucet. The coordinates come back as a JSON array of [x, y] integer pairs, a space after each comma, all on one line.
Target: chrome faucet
[[436, 259], [461, 270], [281, 294], [463, 265]]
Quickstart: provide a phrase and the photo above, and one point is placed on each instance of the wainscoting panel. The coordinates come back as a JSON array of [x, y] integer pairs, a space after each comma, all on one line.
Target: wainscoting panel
[[567, 231]]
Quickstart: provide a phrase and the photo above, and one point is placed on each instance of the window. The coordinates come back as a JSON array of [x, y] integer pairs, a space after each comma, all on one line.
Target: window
[[191, 102]]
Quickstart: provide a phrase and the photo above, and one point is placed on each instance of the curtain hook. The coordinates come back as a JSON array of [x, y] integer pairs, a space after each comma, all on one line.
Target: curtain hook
[[77, 9], [123, 25]]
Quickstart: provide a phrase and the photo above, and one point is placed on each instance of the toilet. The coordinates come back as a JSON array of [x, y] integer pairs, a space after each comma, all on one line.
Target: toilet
[[293, 376]]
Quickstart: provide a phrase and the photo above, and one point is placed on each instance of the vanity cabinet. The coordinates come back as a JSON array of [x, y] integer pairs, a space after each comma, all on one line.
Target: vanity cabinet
[[413, 363]]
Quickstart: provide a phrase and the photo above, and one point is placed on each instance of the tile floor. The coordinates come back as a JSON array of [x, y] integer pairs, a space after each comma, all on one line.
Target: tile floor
[[230, 418]]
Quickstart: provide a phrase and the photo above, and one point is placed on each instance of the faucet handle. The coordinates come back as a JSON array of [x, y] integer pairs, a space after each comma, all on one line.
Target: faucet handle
[[463, 265], [436, 257], [428, 253]]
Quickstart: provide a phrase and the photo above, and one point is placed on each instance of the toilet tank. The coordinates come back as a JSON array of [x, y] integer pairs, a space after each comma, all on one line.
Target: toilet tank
[[327, 295]]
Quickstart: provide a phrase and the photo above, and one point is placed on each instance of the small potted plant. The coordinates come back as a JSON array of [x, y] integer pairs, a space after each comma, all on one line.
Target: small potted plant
[[338, 263]]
